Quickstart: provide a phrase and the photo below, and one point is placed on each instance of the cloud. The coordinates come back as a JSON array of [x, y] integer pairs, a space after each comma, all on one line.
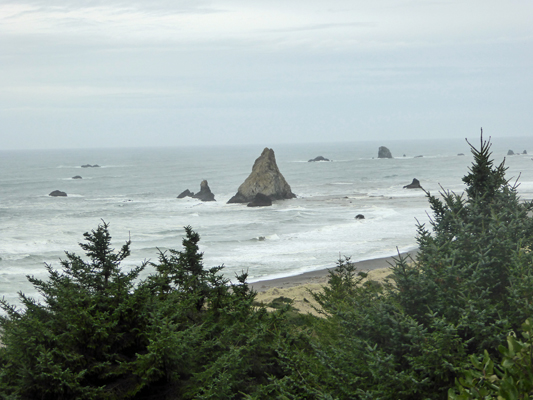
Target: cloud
[[259, 66]]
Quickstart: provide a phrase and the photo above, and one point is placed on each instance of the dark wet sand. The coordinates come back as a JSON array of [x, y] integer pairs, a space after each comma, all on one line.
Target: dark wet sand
[[321, 275]]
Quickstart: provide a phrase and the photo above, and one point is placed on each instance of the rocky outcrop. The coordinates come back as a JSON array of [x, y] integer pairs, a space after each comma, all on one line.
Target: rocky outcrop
[[265, 179], [260, 200], [413, 185], [383, 152], [58, 193], [510, 153], [319, 158], [185, 193], [524, 152], [205, 193], [77, 177]]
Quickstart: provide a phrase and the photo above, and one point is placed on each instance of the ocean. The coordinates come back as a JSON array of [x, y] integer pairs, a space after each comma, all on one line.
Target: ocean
[[135, 191]]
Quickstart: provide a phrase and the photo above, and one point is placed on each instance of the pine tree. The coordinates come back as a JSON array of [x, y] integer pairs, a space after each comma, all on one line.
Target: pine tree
[[80, 341], [467, 267]]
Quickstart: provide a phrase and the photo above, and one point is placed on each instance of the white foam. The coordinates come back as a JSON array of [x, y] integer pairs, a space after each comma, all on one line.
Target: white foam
[[302, 234]]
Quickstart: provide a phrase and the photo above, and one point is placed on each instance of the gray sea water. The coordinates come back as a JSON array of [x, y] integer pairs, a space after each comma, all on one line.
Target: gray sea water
[[135, 191]]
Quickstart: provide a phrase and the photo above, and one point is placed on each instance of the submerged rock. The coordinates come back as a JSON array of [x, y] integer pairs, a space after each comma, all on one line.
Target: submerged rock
[[77, 177], [205, 193], [260, 200], [58, 193], [265, 179], [90, 166], [383, 152], [319, 158], [413, 185], [185, 193], [461, 154]]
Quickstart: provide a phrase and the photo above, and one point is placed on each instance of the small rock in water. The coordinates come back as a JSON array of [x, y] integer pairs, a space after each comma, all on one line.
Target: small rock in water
[[510, 153], [260, 200], [77, 177], [58, 193], [359, 216], [319, 158], [185, 193], [460, 154]]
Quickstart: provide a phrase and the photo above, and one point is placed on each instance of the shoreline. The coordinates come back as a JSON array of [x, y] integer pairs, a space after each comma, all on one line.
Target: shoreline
[[321, 276]]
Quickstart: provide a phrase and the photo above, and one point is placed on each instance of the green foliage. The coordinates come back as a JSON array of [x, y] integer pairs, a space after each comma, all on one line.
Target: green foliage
[[81, 342], [471, 266], [510, 379], [373, 349], [470, 284], [185, 332]]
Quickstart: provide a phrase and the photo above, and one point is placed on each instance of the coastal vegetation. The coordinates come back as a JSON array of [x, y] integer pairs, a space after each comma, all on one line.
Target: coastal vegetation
[[453, 322]]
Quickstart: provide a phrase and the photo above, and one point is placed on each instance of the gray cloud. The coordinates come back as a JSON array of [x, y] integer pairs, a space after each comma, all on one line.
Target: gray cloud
[[140, 73]]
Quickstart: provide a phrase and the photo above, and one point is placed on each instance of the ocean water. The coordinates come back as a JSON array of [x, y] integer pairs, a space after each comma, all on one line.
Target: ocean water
[[135, 191]]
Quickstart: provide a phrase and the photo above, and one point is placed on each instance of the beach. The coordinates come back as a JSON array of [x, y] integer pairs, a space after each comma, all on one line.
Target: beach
[[321, 276], [298, 287]]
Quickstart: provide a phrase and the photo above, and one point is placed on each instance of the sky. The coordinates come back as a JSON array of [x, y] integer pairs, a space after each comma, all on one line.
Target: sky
[[94, 73]]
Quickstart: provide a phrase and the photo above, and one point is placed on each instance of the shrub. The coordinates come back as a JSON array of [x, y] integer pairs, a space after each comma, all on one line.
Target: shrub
[[511, 378]]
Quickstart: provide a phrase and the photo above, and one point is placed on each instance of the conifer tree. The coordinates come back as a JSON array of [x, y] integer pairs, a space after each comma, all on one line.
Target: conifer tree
[[80, 340], [470, 284], [468, 265]]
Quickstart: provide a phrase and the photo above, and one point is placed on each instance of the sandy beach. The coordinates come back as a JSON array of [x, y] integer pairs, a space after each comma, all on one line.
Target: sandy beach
[[297, 287]]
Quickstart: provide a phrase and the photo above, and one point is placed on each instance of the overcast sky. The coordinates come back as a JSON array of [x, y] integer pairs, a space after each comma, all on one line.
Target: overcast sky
[[113, 73]]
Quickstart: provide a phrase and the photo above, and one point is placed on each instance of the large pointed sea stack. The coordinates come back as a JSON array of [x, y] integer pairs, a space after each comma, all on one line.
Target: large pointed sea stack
[[265, 179]]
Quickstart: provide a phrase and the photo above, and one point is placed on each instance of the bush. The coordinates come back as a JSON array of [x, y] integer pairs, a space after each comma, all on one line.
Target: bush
[[511, 378]]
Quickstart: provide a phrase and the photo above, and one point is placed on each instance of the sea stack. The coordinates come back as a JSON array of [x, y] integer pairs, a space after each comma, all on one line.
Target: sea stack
[[383, 152], [205, 193], [414, 185], [265, 179]]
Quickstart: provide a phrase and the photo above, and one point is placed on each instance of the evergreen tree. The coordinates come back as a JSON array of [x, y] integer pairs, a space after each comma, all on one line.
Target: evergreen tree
[[470, 284], [474, 259], [185, 332], [80, 341]]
